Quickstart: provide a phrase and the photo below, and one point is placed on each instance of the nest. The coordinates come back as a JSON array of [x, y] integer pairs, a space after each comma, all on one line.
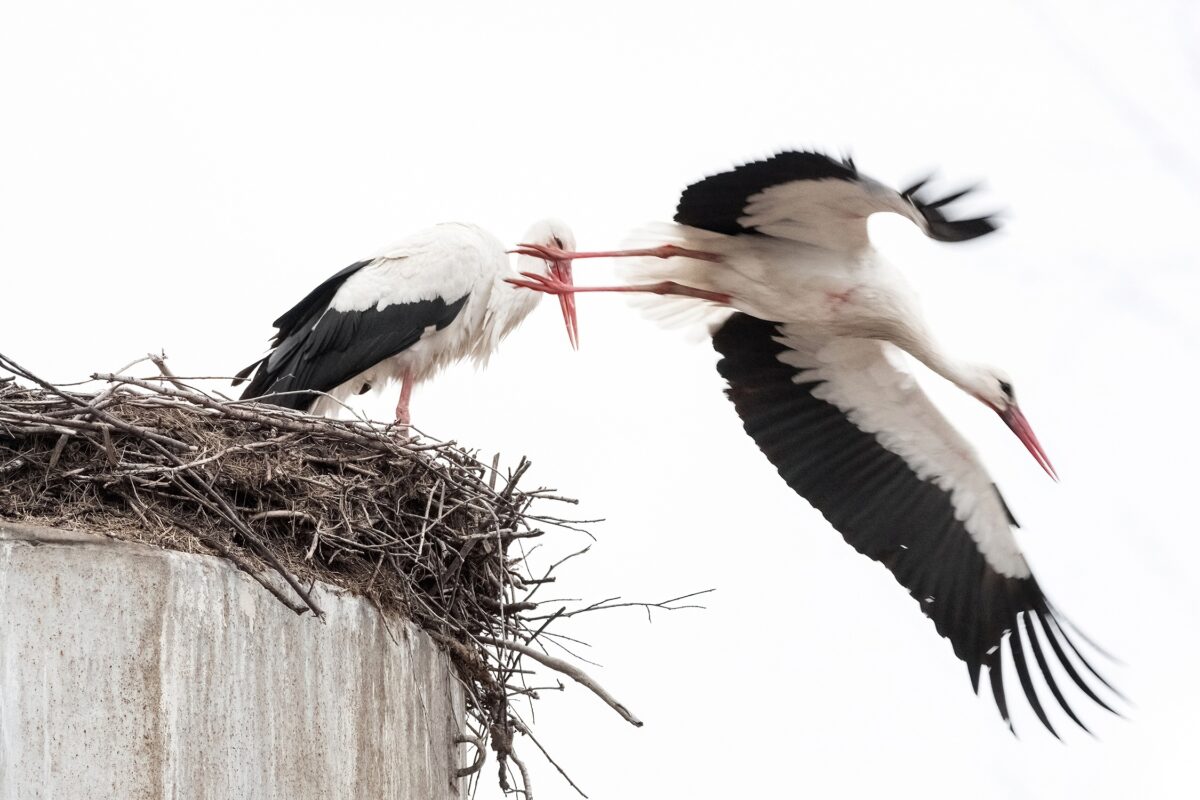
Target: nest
[[424, 530]]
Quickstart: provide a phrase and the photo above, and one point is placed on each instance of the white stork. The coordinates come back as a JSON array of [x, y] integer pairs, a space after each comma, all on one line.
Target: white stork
[[434, 297], [811, 370]]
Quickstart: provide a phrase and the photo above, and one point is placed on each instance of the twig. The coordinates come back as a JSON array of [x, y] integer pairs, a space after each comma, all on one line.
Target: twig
[[526, 783], [160, 361], [283, 514], [607, 604], [523, 728], [568, 669], [480, 755]]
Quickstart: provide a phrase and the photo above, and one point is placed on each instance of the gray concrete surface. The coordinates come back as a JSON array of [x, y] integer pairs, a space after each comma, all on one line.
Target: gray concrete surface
[[131, 672]]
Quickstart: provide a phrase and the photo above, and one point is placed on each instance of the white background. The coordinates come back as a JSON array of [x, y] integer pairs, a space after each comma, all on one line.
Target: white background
[[174, 176]]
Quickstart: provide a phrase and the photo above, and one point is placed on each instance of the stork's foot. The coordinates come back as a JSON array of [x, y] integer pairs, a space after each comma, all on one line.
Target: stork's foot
[[547, 251], [542, 283], [551, 285], [552, 253]]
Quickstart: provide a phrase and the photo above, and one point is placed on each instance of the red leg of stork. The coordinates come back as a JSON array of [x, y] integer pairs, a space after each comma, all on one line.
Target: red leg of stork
[[403, 419], [552, 253], [549, 285]]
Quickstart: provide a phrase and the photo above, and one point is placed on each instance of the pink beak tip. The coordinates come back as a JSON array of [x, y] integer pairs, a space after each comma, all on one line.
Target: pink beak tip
[[561, 270], [1020, 426]]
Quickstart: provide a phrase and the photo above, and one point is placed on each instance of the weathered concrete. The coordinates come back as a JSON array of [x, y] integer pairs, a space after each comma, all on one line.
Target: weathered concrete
[[131, 672]]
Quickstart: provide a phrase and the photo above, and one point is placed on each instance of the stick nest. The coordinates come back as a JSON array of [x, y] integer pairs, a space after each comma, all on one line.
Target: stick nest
[[423, 530]]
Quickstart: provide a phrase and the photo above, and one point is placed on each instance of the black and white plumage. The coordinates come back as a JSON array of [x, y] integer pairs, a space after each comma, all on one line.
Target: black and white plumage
[[812, 361], [852, 433], [818, 199], [433, 298]]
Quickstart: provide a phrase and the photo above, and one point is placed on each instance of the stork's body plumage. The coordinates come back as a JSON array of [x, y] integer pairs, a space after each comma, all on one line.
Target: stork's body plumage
[[435, 297], [812, 362]]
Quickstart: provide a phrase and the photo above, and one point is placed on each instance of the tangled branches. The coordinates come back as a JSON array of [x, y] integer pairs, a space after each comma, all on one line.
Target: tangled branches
[[423, 530]]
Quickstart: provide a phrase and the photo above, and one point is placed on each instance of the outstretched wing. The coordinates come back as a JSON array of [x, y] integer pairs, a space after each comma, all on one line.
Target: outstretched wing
[[855, 436], [812, 198]]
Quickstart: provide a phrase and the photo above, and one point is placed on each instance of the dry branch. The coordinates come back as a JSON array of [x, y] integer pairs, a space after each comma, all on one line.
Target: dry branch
[[568, 669]]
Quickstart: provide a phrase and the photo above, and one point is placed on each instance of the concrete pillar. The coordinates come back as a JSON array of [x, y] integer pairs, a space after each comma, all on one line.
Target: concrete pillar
[[132, 672]]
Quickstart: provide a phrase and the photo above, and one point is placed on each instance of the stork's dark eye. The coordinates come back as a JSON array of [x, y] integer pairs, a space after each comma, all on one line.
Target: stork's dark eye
[[557, 242], [1006, 389]]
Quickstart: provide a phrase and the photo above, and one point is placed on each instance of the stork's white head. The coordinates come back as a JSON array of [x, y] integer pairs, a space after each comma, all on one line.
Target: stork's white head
[[554, 233], [551, 231], [994, 388]]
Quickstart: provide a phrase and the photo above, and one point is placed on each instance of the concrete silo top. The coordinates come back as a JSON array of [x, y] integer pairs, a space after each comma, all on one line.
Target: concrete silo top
[[135, 672]]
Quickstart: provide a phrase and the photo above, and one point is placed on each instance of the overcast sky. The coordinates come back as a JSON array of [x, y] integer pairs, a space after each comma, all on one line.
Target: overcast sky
[[174, 177]]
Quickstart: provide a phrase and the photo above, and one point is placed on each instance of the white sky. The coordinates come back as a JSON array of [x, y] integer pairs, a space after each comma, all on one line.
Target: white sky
[[176, 177]]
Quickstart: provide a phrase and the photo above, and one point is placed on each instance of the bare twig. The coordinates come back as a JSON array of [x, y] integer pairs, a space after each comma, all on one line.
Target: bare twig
[[609, 603], [523, 728], [526, 783], [160, 361], [480, 755], [568, 669]]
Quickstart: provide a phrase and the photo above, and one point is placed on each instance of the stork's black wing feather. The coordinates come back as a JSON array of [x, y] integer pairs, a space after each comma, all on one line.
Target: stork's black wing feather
[[303, 315], [885, 511], [941, 227], [318, 348], [315, 302], [717, 202]]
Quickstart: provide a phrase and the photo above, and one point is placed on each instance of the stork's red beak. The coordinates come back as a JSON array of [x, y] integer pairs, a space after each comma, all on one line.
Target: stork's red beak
[[561, 270], [1015, 420]]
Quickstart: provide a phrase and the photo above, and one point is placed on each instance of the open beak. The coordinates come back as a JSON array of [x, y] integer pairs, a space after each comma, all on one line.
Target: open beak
[[1016, 421], [561, 270]]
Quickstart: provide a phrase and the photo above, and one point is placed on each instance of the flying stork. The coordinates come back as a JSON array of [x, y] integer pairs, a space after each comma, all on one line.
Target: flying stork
[[435, 297], [810, 358]]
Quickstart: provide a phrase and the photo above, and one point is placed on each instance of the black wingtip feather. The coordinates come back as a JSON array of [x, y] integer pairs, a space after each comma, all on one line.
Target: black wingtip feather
[[1058, 624], [1090, 642], [996, 678], [973, 666], [961, 230], [1047, 674], [916, 187], [1018, 657], [950, 198], [241, 377], [1068, 667], [938, 224]]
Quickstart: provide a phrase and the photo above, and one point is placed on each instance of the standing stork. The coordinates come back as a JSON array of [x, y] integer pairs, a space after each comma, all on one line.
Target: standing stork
[[810, 362], [433, 298]]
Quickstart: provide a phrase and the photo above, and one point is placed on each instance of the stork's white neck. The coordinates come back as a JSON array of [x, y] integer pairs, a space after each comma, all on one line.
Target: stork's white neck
[[968, 376], [509, 305]]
